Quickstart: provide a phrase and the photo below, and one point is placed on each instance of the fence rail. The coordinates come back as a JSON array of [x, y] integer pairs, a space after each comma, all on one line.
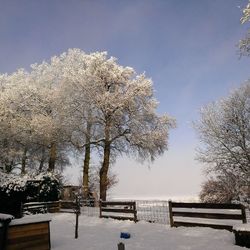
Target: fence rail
[[208, 214]]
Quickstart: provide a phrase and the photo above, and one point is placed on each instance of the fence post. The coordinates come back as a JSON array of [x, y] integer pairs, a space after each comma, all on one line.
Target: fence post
[[59, 205], [77, 212], [21, 210], [121, 246], [100, 206], [171, 221], [76, 226], [243, 212], [135, 212]]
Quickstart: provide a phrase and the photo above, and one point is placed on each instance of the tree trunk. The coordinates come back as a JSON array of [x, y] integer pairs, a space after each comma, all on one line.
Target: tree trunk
[[52, 157], [42, 161], [85, 181], [9, 167], [24, 158], [104, 172], [106, 159]]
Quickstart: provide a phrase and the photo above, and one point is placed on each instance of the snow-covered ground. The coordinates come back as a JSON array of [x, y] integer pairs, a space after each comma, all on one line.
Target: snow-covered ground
[[104, 234]]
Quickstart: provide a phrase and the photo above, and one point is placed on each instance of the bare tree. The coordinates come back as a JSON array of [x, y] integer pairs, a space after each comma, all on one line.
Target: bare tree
[[224, 130], [222, 189]]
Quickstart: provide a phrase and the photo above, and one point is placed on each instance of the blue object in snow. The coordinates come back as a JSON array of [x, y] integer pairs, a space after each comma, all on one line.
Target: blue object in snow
[[125, 235]]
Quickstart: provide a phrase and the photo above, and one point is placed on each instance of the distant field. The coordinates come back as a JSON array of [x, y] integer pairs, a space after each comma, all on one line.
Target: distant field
[[156, 198]]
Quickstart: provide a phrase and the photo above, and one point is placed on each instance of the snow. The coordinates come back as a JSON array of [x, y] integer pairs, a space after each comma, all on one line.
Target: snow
[[114, 197], [208, 221], [207, 210], [242, 227], [4, 217], [31, 219], [104, 234]]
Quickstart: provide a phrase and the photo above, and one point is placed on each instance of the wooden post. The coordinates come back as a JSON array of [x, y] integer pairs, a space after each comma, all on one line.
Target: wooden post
[[21, 210], [243, 212], [135, 212], [171, 221], [121, 246], [100, 206], [59, 205], [77, 211], [76, 227]]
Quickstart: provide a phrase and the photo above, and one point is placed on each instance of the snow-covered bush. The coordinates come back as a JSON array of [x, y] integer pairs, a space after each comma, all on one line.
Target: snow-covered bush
[[49, 189], [43, 187], [16, 189], [12, 193], [10, 183]]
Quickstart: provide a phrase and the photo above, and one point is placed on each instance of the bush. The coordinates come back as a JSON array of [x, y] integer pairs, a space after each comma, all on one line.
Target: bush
[[15, 190], [12, 194], [223, 189], [45, 187], [49, 189]]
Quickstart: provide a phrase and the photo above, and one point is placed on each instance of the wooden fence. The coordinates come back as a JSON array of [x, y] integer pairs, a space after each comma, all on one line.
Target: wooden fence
[[121, 210], [50, 207], [212, 212]]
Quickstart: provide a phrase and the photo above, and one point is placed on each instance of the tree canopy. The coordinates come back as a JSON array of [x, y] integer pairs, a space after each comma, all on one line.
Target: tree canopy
[[80, 102]]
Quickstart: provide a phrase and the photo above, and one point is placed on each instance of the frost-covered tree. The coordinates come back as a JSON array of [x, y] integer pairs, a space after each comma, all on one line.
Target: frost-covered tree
[[244, 44], [90, 101], [46, 123], [77, 112], [17, 102], [224, 130], [30, 130], [5, 134], [111, 108], [125, 113]]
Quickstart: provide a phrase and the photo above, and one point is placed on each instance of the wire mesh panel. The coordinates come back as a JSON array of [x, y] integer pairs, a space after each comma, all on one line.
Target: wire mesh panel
[[248, 215], [154, 211], [90, 211]]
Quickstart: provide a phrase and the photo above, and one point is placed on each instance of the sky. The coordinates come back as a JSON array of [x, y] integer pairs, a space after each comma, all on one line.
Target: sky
[[188, 49]]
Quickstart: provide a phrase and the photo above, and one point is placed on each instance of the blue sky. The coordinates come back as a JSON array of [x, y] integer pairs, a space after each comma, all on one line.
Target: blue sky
[[188, 48]]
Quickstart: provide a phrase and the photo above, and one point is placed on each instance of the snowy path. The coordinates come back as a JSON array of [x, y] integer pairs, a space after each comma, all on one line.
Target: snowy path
[[103, 234]]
